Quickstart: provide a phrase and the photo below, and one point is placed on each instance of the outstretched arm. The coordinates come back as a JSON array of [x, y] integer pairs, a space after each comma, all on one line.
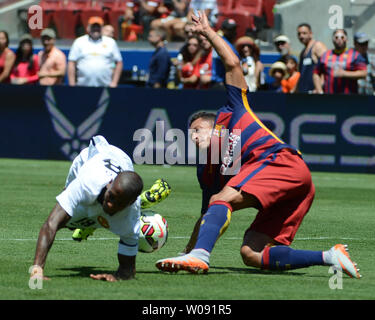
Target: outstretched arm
[[55, 221], [233, 70]]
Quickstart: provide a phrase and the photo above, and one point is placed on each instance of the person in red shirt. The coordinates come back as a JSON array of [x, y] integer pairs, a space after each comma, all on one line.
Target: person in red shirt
[[190, 58], [340, 67], [7, 58], [26, 66], [203, 68]]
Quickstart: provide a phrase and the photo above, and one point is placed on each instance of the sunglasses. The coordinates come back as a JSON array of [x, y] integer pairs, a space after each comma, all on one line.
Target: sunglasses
[[342, 37], [279, 43]]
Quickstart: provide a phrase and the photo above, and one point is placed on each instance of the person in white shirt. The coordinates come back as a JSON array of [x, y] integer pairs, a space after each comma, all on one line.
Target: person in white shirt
[[101, 191], [94, 60]]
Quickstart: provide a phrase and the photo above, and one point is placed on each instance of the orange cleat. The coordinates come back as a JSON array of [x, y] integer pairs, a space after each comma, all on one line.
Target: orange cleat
[[342, 261], [186, 262]]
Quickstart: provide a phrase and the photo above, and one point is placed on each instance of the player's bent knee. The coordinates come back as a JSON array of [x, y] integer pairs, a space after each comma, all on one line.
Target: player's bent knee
[[249, 257]]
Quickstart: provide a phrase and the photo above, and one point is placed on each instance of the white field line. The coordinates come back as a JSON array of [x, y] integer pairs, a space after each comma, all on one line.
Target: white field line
[[186, 237]]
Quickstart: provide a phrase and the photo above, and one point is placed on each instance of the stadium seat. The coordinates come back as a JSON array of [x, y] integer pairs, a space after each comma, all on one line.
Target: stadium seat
[[51, 17], [254, 7], [225, 9], [248, 14], [268, 12], [243, 21], [77, 14], [113, 9]]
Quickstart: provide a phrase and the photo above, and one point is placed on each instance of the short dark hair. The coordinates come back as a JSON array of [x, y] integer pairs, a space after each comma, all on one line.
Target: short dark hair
[[304, 24], [160, 32], [208, 116], [131, 183]]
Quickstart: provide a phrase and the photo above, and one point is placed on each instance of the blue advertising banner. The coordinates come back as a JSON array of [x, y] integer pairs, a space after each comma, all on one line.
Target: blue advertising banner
[[333, 132]]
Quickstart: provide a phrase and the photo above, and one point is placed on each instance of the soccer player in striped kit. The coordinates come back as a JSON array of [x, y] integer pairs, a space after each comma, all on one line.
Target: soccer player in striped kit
[[272, 178]]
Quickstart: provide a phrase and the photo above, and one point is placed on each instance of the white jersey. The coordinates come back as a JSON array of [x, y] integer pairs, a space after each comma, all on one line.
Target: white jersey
[[89, 173], [94, 60]]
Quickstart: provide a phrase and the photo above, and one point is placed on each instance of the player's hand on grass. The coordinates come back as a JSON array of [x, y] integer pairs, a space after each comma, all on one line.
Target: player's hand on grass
[[159, 191], [104, 276], [37, 273]]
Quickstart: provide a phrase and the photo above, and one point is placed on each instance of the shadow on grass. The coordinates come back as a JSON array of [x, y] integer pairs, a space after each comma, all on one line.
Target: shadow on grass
[[253, 271], [85, 272], [82, 272]]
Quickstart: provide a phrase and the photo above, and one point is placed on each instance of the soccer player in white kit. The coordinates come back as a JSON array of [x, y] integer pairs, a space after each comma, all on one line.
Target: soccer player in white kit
[[101, 191]]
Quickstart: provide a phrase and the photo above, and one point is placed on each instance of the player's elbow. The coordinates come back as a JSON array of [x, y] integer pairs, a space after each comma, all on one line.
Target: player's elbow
[[233, 62]]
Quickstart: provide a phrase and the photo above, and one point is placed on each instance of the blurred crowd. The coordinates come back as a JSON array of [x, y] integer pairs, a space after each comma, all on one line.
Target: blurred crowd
[[95, 60]]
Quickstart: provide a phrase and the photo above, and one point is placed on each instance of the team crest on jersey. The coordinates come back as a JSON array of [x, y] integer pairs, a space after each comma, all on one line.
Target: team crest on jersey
[[75, 138], [219, 130], [230, 153], [103, 222]]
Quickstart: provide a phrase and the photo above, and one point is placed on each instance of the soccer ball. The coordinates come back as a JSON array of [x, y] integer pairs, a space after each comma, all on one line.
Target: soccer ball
[[153, 233]]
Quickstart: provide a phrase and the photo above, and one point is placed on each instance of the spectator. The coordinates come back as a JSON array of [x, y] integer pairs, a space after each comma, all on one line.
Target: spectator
[[130, 21], [251, 65], [160, 61], [278, 72], [52, 61], [367, 85], [191, 55], [228, 31], [7, 58], [26, 66], [176, 62], [341, 67], [188, 30], [309, 57], [108, 31], [289, 83], [172, 24], [282, 44], [92, 57], [204, 64], [209, 7], [150, 10]]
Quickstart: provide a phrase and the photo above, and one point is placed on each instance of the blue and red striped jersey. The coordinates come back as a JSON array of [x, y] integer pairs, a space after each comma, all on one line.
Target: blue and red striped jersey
[[246, 136], [350, 60]]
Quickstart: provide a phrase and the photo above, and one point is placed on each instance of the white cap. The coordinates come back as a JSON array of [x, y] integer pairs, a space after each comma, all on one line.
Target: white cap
[[281, 38]]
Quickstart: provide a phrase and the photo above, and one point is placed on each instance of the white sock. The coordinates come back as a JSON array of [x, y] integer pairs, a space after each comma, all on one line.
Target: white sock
[[327, 257], [201, 254]]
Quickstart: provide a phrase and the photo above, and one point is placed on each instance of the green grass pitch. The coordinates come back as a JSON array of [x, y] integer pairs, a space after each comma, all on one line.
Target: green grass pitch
[[343, 212]]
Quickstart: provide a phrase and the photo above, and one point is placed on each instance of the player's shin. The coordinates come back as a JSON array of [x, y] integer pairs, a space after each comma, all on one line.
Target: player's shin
[[286, 258], [213, 225]]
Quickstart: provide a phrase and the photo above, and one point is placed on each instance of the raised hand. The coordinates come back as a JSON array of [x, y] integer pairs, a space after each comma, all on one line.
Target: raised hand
[[201, 24]]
